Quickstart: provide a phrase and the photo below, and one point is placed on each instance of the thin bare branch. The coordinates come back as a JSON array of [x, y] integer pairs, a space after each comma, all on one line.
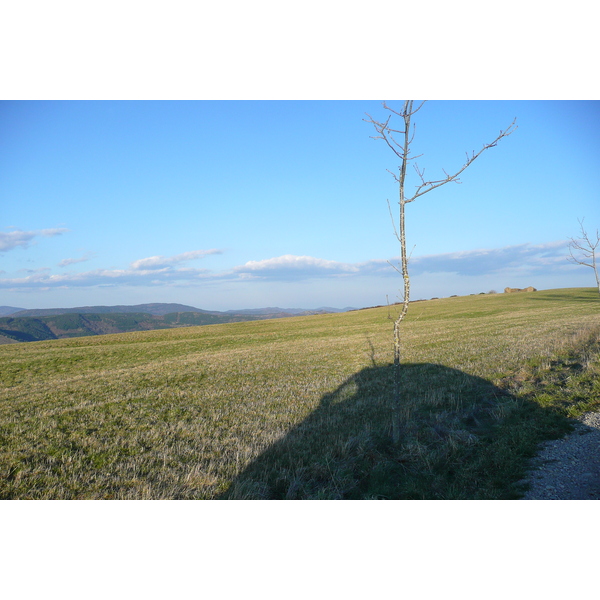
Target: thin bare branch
[[406, 110], [427, 186], [400, 114], [414, 133], [392, 174], [394, 267], [578, 260], [410, 255], [393, 221], [585, 248], [418, 107]]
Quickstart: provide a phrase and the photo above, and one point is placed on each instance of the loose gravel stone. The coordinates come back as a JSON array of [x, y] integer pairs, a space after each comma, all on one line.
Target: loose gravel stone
[[568, 468]]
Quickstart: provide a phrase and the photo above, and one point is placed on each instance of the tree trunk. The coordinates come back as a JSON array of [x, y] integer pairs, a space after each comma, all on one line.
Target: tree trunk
[[402, 150]]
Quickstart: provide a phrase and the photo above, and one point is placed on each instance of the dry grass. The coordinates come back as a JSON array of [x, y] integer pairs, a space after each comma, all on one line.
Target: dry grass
[[290, 408]]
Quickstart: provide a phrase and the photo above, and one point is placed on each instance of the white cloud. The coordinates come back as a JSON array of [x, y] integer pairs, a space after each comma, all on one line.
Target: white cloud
[[14, 239], [160, 262], [155, 270], [522, 258], [293, 267], [73, 261], [508, 262]]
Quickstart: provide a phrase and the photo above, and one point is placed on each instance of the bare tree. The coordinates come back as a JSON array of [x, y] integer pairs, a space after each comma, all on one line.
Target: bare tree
[[399, 141], [582, 251]]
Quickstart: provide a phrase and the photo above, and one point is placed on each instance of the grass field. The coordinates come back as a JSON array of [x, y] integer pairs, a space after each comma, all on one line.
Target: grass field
[[299, 407]]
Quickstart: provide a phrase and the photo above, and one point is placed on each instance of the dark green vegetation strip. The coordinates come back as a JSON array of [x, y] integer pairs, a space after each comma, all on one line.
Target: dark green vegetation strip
[[299, 407], [24, 329]]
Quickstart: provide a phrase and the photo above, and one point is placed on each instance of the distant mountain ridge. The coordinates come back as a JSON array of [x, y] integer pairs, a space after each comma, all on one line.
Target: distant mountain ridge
[[9, 310], [161, 309], [156, 309]]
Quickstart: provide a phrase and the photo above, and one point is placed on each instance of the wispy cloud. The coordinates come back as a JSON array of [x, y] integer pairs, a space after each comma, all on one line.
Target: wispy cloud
[[35, 271], [161, 262], [13, 239], [73, 261]]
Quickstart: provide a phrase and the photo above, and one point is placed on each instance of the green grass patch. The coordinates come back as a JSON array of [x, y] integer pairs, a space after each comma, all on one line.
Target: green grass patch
[[299, 407]]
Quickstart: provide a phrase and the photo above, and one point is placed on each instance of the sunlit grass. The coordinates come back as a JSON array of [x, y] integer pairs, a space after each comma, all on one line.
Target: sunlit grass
[[298, 407]]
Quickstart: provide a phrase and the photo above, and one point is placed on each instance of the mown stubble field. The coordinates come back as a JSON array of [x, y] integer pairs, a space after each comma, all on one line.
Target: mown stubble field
[[299, 407]]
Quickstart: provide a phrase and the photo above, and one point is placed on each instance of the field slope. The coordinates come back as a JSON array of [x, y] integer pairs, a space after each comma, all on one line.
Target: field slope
[[298, 407]]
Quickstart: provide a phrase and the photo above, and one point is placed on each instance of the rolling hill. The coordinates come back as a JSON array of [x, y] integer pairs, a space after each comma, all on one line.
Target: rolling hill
[[9, 310], [299, 408], [151, 309]]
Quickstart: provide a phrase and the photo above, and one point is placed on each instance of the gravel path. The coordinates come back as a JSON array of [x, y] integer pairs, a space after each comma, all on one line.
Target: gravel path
[[569, 468]]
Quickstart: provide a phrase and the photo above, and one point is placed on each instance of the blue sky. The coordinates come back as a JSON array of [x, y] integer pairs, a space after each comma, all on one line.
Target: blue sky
[[241, 204]]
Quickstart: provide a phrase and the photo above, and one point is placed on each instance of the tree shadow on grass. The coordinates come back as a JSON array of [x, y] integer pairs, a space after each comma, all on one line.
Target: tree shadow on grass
[[461, 438]]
